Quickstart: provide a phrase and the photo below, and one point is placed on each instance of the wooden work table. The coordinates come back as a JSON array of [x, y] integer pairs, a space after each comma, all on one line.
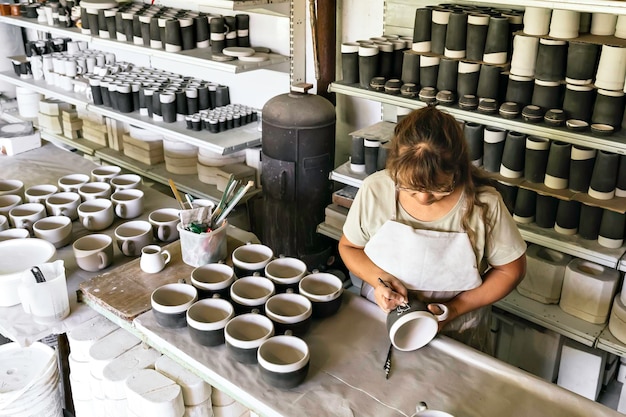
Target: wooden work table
[[348, 350]]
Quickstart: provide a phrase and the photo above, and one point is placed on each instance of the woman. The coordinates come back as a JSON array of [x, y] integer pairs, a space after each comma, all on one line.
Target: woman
[[430, 224]]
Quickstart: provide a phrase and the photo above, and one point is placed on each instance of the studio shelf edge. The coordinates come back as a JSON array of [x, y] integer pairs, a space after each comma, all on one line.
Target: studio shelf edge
[[226, 142], [615, 143]]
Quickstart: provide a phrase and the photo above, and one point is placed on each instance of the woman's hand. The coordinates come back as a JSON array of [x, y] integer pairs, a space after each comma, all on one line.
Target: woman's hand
[[437, 310], [390, 293]]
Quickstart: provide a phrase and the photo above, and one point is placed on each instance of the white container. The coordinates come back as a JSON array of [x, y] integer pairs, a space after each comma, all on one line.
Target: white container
[[617, 321], [81, 338], [545, 270], [48, 301], [27, 102], [150, 393], [588, 290], [103, 351], [195, 390], [114, 375], [581, 369]]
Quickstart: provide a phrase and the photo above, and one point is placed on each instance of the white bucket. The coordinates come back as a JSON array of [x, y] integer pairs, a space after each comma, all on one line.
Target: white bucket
[[27, 102]]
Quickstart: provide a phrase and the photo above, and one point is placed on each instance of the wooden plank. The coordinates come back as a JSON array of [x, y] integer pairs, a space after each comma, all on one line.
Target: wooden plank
[[125, 291]]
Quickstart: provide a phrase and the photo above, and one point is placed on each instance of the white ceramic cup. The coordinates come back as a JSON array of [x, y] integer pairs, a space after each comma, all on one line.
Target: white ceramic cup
[[286, 272], [126, 181], [39, 193], [55, 229], [93, 252], [12, 187], [14, 234], [153, 259], [132, 236], [8, 201], [96, 214], [251, 258], [105, 173], [71, 182], [164, 222], [128, 204], [93, 190], [63, 204], [25, 215]]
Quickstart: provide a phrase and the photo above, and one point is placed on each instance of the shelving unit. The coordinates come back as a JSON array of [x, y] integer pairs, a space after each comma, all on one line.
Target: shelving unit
[[197, 57], [398, 19], [223, 143]]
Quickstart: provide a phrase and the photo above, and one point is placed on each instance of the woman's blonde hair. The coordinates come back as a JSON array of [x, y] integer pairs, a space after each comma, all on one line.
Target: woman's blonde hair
[[429, 147]]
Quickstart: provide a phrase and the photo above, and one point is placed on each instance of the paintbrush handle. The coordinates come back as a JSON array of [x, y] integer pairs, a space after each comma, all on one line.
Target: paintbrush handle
[[177, 194]]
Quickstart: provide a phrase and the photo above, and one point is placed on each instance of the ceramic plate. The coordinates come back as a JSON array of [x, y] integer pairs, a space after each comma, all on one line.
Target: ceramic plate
[[222, 57], [237, 51], [257, 57]]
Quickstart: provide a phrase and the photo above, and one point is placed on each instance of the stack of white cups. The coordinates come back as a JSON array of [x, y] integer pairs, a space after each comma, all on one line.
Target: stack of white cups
[[81, 339]]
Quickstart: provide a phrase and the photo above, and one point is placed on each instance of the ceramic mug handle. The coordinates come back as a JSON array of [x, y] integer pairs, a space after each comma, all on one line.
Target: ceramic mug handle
[[166, 256], [444, 312]]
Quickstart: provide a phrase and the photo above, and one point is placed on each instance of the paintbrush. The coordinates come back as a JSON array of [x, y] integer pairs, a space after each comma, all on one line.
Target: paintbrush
[[177, 194]]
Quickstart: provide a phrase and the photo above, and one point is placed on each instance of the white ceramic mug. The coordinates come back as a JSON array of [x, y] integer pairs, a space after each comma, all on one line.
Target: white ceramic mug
[[71, 182], [55, 229], [39, 193], [132, 236], [93, 252], [96, 214], [164, 222], [46, 301], [93, 190], [128, 204], [12, 187], [63, 204], [126, 181], [25, 215], [153, 259], [8, 201], [105, 173], [14, 234]]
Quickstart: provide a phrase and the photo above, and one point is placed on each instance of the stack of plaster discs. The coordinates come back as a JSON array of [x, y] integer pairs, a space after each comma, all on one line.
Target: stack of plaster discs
[[180, 158], [196, 392], [30, 381]]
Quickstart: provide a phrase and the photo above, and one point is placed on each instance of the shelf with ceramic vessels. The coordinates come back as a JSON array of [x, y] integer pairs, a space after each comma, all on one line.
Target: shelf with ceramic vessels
[[223, 143], [189, 184], [570, 244], [201, 58], [590, 6], [615, 143]]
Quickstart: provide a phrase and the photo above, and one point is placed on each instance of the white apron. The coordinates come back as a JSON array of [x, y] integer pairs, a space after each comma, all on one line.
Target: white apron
[[434, 266]]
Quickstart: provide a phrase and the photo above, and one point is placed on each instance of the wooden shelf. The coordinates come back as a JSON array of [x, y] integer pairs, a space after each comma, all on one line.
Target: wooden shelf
[[223, 143], [615, 143], [200, 58]]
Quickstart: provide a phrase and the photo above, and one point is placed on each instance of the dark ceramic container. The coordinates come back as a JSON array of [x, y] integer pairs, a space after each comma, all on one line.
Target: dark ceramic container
[[285, 273], [250, 293], [170, 303], [251, 258], [213, 279], [244, 334], [206, 320], [284, 361], [325, 291], [290, 313]]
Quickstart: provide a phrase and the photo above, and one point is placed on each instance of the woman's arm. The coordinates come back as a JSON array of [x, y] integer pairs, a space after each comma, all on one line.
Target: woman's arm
[[359, 264], [497, 283]]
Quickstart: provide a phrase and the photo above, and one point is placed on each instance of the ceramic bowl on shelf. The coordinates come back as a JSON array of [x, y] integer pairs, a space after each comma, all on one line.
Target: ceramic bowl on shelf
[[445, 97], [377, 84], [428, 95], [509, 110], [555, 117], [532, 113], [393, 86], [409, 90], [284, 361], [468, 102], [577, 125], [599, 129], [487, 106]]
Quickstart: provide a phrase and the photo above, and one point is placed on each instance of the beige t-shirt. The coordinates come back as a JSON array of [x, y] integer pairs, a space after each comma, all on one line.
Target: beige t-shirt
[[376, 202]]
